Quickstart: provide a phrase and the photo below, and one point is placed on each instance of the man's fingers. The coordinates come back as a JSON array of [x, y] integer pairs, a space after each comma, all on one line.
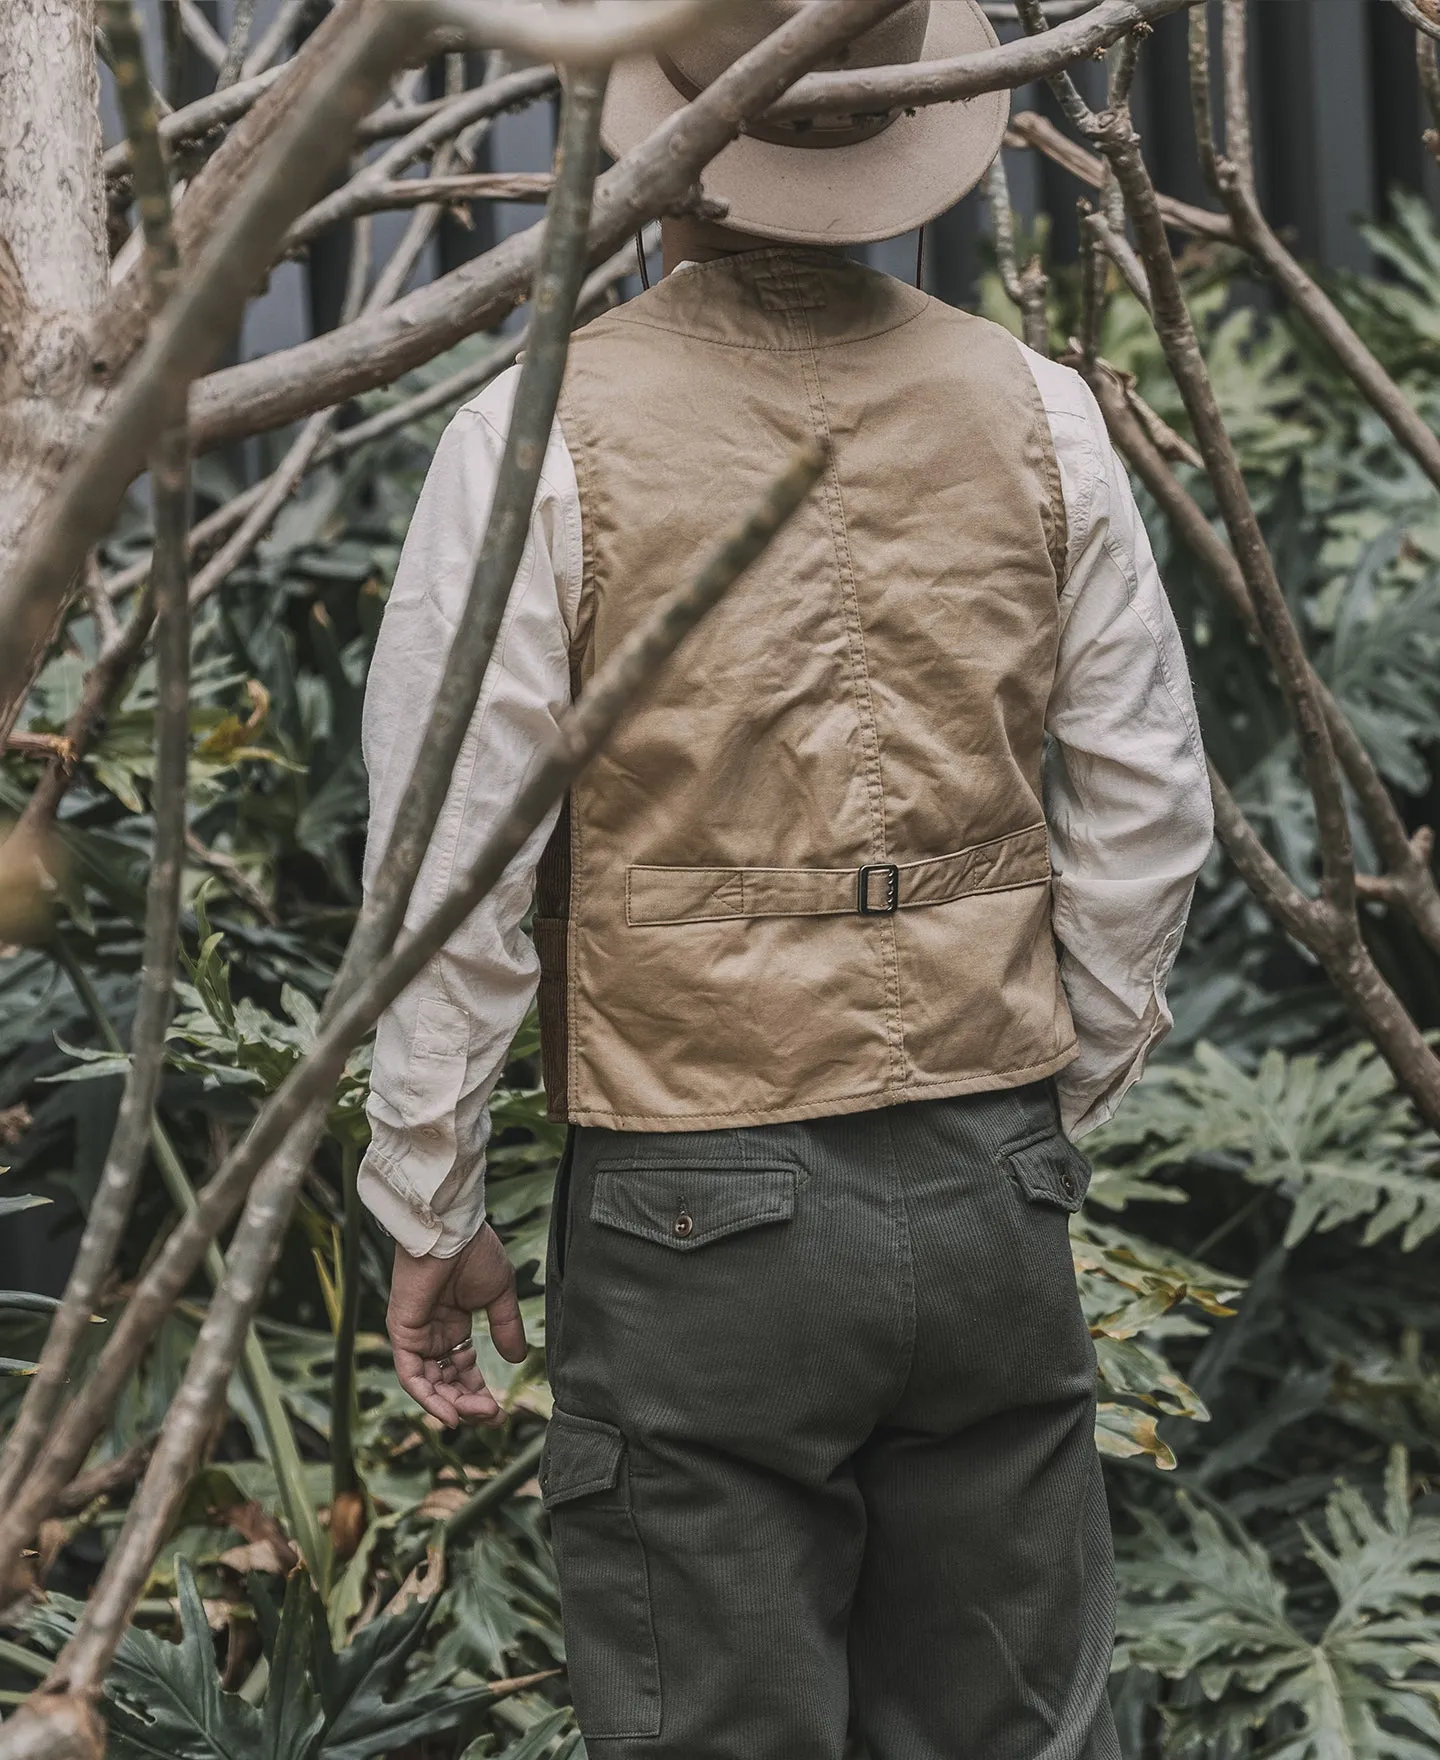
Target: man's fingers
[[507, 1327], [431, 1399]]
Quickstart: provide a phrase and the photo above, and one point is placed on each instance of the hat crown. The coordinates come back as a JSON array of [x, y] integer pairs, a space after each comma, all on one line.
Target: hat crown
[[708, 51]]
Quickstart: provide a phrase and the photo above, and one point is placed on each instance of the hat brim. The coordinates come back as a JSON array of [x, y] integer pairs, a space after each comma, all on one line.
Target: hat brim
[[915, 169]]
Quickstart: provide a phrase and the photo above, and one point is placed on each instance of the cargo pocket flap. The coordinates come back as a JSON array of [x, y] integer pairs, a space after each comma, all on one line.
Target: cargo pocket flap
[[686, 1207], [582, 1456], [1051, 1171]]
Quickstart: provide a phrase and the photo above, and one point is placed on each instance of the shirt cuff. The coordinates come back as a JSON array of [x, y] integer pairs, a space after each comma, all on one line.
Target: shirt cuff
[[408, 1219]]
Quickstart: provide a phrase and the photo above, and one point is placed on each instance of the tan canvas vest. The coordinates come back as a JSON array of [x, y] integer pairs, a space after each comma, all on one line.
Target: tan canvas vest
[[810, 873]]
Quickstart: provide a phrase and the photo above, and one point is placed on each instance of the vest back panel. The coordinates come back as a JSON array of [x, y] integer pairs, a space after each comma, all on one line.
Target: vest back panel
[[872, 692]]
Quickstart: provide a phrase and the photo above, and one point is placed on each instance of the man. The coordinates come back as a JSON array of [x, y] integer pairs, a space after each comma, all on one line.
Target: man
[[826, 991]]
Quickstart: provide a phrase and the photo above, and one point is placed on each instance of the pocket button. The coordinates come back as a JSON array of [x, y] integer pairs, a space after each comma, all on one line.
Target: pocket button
[[684, 1225], [1067, 1184]]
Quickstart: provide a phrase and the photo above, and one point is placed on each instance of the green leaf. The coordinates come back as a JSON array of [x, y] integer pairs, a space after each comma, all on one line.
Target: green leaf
[[363, 1720], [292, 1717], [1209, 1609], [1335, 1138], [534, 1744], [22, 1201], [163, 1701]]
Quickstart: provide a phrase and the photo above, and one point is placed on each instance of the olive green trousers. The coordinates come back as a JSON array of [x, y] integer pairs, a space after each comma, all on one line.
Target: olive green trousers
[[822, 1465]]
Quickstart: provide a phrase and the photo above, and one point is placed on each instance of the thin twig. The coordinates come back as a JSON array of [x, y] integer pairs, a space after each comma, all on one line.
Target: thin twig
[[193, 121], [483, 186], [1235, 176], [1029, 129], [1239, 147], [1201, 102], [1055, 11], [1176, 331], [598, 290], [1094, 287], [234, 63], [300, 457], [650, 181], [1427, 24], [275, 39], [115, 1195], [1027, 289], [201, 32], [511, 92], [580, 735], [1124, 59], [1428, 61], [557, 290], [102, 606], [1331, 927], [1407, 883], [1120, 252], [1067, 93], [100, 1481]]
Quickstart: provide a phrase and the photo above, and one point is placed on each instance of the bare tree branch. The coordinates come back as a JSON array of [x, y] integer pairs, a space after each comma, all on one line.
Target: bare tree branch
[[418, 192], [652, 179], [1427, 23], [1026, 289], [202, 117], [276, 37], [1119, 142], [115, 1195], [52, 275], [201, 32], [616, 686], [1067, 94], [508, 93], [233, 65], [1029, 129], [1054, 11], [1098, 230], [1407, 883], [1253, 232], [566, 229], [1429, 65], [1330, 927], [598, 290], [1200, 97], [875, 90]]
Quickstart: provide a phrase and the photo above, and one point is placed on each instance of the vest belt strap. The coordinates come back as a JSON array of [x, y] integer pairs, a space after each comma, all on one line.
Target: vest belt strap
[[654, 896]]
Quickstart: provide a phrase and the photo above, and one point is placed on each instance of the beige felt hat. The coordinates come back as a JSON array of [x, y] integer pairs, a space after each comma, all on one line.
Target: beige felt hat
[[843, 182]]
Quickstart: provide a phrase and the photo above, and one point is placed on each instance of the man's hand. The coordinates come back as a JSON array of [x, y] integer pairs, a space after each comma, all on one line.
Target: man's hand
[[432, 1305]]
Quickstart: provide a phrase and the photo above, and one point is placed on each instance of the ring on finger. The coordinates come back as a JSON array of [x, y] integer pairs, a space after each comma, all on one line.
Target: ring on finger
[[446, 1359]]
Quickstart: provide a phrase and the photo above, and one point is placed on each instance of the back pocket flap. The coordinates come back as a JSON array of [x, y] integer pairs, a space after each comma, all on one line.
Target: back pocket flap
[[1052, 1171], [582, 1456], [689, 1207]]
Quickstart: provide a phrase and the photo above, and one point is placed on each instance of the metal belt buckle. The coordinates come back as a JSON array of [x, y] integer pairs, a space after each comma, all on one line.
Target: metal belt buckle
[[892, 890]]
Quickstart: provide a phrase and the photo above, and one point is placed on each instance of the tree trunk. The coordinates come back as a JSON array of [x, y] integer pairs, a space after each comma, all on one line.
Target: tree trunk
[[53, 259]]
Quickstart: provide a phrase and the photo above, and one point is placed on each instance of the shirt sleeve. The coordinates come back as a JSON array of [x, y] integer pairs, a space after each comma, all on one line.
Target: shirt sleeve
[[1126, 792], [441, 1046]]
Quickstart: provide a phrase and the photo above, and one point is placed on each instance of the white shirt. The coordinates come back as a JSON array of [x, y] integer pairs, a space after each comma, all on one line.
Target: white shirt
[[1126, 797]]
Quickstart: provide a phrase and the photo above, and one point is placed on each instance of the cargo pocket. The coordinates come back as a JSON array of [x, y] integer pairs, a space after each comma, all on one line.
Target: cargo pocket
[[1050, 1171], [686, 1207], [613, 1664]]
